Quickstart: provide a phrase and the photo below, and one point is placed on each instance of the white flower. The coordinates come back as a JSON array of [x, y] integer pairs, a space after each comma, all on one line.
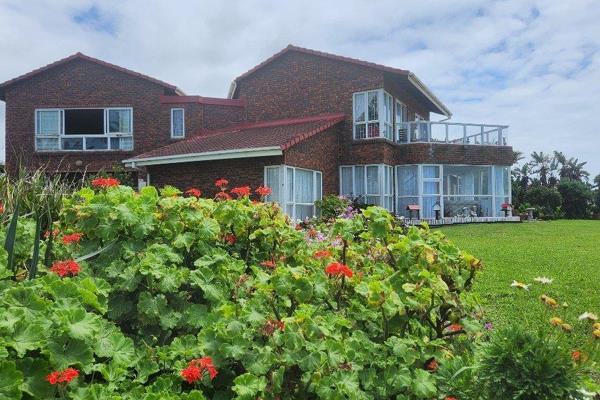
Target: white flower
[[519, 285], [543, 280], [589, 316]]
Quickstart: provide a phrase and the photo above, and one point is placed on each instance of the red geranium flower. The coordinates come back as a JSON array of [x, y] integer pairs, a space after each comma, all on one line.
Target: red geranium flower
[[338, 269], [222, 196], [1, 208], [72, 238], [64, 376], [105, 182], [455, 328], [450, 398], [241, 191], [65, 268], [196, 367], [271, 325], [431, 365], [221, 183], [230, 239], [576, 355], [263, 191], [322, 253], [268, 264], [193, 192]]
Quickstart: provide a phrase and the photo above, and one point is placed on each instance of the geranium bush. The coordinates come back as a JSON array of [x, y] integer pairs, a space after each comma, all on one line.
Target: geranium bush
[[167, 295]]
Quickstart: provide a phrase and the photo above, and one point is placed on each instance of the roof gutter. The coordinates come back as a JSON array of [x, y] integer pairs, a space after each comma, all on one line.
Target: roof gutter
[[412, 78], [232, 88], [206, 156]]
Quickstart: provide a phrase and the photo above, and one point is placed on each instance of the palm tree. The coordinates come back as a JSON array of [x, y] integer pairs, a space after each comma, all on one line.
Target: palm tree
[[517, 156], [571, 168], [543, 165]]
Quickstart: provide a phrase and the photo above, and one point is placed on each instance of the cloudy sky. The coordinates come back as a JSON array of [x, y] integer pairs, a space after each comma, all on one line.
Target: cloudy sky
[[533, 65]]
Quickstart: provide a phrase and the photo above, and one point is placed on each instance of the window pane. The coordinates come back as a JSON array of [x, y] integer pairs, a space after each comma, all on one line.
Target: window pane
[[467, 206], [119, 121], [72, 143], [290, 185], [360, 131], [96, 143], [400, 115], [272, 177], [48, 122], [429, 203], [431, 187], [388, 184], [387, 104], [304, 186], [84, 122], [404, 202], [373, 180], [502, 181], [466, 180], [319, 186], [46, 144], [346, 180], [431, 171], [407, 180], [359, 107], [373, 200], [499, 201], [374, 129], [177, 122], [305, 211], [373, 110], [359, 181]]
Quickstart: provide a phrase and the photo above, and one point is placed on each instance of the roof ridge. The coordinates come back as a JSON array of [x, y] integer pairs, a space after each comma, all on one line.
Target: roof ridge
[[291, 47], [80, 55]]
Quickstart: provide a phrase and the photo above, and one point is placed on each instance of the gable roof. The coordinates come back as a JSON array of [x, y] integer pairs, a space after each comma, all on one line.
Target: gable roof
[[257, 139], [81, 56], [436, 105]]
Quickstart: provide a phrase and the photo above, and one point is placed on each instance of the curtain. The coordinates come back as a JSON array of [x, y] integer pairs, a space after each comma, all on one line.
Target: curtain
[[347, 181], [304, 186], [48, 122], [273, 182], [407, 180]]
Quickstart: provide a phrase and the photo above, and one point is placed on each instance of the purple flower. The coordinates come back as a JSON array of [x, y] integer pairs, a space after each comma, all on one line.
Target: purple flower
[[488, 326]]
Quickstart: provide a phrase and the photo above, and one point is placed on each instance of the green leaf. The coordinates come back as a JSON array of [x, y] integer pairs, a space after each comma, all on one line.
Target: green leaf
[[10, 381], [33, 266], [112, 343], [423, 384], [247, 386], [34, 374], [26, 336], [11, 236], [64, 352]]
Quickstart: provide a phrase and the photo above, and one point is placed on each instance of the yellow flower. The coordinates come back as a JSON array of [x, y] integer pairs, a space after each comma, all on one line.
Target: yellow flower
[[549, 301], [556, 321], [596, 326], [566, 327], [596, 333]]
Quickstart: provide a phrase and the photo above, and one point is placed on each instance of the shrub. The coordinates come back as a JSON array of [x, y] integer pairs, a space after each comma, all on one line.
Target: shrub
[[332, 206], [576, 199], [517, 364], [546, 199], [172, 297]]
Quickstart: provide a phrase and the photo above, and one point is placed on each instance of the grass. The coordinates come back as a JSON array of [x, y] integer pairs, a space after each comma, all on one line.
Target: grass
[[566, 251]]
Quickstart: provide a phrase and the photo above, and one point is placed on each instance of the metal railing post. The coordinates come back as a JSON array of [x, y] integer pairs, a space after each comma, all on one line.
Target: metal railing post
[[464, 134], [482, 140], [447, 132]]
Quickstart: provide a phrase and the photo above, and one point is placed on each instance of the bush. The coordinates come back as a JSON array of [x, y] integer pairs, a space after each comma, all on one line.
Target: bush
[[522, 365], [173, 297], [576, 199], [333, 206], [546, 199]]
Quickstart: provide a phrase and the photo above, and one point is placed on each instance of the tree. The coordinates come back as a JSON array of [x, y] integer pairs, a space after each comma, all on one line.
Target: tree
[[597, 194], [576, 198], [570, 168], [543, 165], [546, 199]]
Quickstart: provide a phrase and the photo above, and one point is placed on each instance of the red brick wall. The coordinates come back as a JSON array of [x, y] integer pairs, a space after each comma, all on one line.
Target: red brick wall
[[320, 153], [80, 83], [218, 116], [239, 172]]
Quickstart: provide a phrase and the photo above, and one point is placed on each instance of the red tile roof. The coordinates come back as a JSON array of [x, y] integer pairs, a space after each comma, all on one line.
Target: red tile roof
[[81, 56], [283, 133], [291, 47], [202, 100]]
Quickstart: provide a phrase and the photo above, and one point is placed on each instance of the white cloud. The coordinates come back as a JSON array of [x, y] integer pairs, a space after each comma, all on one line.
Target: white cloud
[[534, 65]]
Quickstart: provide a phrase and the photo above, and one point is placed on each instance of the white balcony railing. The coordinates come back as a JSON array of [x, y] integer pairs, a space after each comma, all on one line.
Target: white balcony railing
[[451, 132]]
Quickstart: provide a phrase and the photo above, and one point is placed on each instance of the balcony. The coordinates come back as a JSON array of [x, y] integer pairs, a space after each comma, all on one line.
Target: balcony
[[451, 133]]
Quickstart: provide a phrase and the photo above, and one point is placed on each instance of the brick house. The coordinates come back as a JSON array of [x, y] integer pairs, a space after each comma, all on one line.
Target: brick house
[[303, 122]]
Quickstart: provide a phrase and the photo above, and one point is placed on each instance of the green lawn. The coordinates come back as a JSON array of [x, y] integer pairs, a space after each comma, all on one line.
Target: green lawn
[[566, 251]]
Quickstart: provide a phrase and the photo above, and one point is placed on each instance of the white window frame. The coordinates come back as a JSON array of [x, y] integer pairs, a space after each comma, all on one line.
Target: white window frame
[[283, 201], [382, 116], [400, 125], [182, 123], [494, 196], [61, 134], [384, 191]]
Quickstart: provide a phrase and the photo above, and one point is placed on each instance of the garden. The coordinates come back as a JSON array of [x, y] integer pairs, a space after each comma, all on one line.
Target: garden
[[111, 293]]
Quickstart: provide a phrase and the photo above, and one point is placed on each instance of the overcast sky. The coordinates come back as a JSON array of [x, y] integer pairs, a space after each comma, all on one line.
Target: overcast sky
[[533, 65]]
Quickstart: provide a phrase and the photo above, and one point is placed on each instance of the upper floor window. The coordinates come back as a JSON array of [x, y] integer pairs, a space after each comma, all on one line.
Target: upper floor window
[[177, 123], [372, 114], [84, 129]]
